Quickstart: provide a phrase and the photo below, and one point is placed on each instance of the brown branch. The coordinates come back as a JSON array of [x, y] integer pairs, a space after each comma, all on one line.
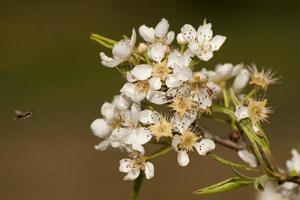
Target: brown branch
[[220, 140]]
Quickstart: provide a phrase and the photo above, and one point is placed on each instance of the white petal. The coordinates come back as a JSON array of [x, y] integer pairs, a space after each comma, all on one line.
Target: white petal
[[148, 117], [125, 165], [205, 146], [121, 102], [183, 158], [135, 113], [217, 42], [100, 128], [204, 33], [108, 61], [241, 112], [189, 32], [119, 136], [130, 78], [132, 175], [170, 37], [182, 73], [181, 40], [224, 71], [172, 81], [181, 124], [204, 99], [194, 48], [138, 147], [133, 38], [147, 33], [149, 170], [131, 91], [162, 28], [241, 80], [122, 49], [294, 163], [140, 135], [156, 52], [176, 141], [205, 56], [108, 110], [155, 83], [141, 72], [215, 88], [157, 97], [248, 157], [103, 145]]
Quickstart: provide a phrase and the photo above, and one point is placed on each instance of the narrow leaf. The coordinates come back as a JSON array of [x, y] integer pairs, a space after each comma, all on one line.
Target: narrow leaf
[[225, 186]]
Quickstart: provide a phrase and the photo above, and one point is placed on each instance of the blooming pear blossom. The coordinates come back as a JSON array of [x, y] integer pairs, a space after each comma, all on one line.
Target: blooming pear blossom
[[134, 166], [121, 51], [293, 165], [187, 142], [166, 94], [202, 43], [160, 33]]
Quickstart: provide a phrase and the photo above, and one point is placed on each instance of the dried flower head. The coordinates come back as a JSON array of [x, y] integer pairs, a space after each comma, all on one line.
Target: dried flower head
[[262, 78], [182, 104], [161, 129], [258, 110], [188, 140]]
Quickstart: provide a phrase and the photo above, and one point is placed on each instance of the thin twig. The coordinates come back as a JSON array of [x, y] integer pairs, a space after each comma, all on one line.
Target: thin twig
[[222, 141]]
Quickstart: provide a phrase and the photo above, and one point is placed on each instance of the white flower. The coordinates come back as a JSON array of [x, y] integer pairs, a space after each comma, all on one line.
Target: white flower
[[205, 146], [133, 167], [181, 71], [133, 92], [121, 52], [286, 191], [148, 117], [248, 157], [241, 112], [188, 141], [241, 80], [204, 43], [159, 34], [293, 165], [100, 128], [188, 33], [156, 52], [182, 123], [141, 72]]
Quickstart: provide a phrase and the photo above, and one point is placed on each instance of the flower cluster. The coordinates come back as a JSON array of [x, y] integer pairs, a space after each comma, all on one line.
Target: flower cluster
[[166, 92]]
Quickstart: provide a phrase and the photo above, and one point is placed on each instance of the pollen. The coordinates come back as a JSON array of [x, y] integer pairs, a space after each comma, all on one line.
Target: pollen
[[161, 70], [262, 78], [162, 129], [197, 82], [258, 110], [182, 105], [143, 86], [188, 140]]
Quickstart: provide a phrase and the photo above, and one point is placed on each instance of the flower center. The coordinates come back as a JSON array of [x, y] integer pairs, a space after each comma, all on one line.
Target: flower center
[[161, 129], [188, 140], [161, 70], [182, 105], [143, 86]]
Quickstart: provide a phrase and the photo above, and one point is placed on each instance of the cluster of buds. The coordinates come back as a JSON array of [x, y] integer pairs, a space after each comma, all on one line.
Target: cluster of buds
[[166, 93]]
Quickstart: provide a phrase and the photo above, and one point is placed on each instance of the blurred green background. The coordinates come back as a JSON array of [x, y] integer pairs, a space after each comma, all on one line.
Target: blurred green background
[[49, 64]]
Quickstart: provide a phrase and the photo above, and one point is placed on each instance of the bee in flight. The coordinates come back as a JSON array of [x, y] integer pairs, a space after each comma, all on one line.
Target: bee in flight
[[23, 115]]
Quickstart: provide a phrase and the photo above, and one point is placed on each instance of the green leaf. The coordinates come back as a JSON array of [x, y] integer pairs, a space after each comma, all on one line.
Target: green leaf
[[225, 186], [230, 163], [260, 182], [294, 173]]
